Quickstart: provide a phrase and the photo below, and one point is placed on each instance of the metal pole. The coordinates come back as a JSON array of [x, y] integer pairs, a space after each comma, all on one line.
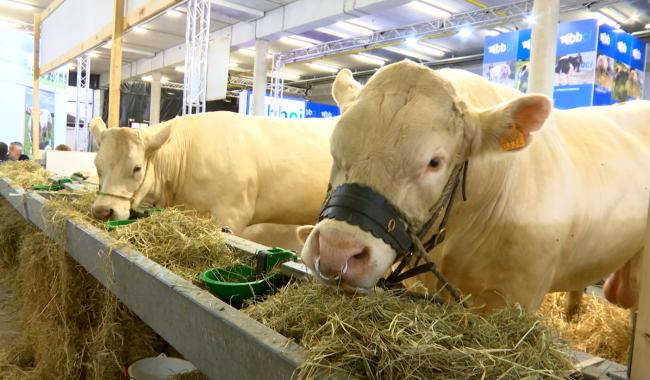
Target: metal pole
[[115, 76], [546, 15], [36, 119], [154, 104], [197, 38], [259, 76]]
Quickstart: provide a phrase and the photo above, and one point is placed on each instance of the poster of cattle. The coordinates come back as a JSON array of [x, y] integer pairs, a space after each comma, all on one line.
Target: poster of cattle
[[499, 57], [46, 120], [595, 64]]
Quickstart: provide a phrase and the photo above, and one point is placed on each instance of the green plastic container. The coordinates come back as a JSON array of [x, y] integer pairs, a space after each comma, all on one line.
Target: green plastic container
[[114, 224], [52, 187], [237, 283]]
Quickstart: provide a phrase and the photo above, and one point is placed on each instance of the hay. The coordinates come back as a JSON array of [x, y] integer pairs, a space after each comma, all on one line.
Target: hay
[[73, 326], [180, 240], [192, 375], [24, 174], [74, 206], [12, 225], [600, 328], [384, 336]]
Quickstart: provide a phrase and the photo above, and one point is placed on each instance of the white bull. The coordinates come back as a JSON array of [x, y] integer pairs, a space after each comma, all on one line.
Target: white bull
[[561, 212], [242, 170]]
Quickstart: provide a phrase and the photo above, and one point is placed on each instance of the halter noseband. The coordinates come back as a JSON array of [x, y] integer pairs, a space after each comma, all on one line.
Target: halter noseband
[[361, 206], [131, 198]]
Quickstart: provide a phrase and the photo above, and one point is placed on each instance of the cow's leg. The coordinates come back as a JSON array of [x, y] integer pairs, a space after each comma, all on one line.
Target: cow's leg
[[622, 286], [572, 304]]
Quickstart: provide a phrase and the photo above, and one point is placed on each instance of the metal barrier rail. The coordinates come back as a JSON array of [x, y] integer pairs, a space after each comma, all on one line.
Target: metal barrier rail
[[219, 340]]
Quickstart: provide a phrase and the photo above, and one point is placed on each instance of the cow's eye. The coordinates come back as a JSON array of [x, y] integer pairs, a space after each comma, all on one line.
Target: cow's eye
[[434, 163], [137, 169]]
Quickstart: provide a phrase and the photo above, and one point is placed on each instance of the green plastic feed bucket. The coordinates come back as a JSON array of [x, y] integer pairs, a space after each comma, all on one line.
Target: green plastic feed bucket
[[237, 283], [113, 224]]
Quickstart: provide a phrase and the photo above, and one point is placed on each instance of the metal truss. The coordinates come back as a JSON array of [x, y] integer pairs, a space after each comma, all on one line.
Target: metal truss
[[173, 86], [197, 36], [477, 18], [248, 83], [277, 84], [83, 105], [484, 17]]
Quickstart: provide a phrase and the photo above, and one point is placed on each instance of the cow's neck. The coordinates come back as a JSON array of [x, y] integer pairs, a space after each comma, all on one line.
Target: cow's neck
[[165, 167]]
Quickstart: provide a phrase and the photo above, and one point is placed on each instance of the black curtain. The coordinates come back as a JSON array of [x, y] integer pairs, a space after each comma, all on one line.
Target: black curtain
[[135, 100]]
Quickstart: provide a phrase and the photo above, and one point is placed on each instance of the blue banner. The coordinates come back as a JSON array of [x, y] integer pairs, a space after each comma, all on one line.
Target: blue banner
[[638, 54], [500, 48], [314, 109], [576, 37], [523, 46], [575, 64], [607, 41]]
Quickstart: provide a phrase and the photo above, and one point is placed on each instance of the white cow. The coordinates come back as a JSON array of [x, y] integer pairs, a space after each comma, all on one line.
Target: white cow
[[242, 170], [559, 213]]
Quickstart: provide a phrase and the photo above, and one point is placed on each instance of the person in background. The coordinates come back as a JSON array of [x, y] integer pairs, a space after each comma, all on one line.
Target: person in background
[[16, 152], [63, 147], [3, 152]]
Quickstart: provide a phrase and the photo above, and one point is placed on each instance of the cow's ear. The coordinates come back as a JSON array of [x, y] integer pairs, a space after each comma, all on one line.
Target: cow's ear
[[508, 126], [97, 127], [345, 89], [303, 233], [155, 139]]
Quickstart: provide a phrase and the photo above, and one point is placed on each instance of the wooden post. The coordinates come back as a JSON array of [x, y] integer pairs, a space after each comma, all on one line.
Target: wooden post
[[36, 120], [115, 75], [640, 366]]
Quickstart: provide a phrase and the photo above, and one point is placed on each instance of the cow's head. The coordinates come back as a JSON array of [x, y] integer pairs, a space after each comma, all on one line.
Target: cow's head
[[401, 135], [122, 166]]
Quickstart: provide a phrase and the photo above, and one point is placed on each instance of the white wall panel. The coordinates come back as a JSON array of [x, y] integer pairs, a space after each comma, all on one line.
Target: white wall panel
[[132, 4], [218, 59], [72, 23]]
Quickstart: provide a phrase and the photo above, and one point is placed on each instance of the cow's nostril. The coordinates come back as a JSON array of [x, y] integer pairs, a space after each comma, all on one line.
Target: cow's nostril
[[362, 256], [110, 213]]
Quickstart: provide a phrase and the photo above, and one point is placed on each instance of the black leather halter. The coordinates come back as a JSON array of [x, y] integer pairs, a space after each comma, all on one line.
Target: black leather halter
[[363, 207]]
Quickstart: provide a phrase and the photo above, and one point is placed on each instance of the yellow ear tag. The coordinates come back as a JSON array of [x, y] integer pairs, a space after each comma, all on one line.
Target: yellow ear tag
[[515, 139]]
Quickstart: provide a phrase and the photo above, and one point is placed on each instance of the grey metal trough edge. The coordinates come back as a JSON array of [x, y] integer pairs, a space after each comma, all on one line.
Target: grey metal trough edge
[[221, 341]]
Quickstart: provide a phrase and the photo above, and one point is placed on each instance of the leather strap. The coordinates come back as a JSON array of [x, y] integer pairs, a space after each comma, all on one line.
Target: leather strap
[[363, 207]]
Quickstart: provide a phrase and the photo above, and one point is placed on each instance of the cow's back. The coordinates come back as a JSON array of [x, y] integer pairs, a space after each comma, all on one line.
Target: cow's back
[[276, 161]]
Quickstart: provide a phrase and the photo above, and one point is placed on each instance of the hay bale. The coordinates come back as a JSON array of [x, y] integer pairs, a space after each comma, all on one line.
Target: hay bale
[[24, 174], [12, 226], [192, 375], [384, 336], [601, 328], [180, 240], [74, 325]]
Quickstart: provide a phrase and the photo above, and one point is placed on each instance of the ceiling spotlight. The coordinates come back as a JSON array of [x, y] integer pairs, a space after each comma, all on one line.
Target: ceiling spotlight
[[465, 32], [371, 59], [321, 67], [647, 26], [333, 32], [530, 19], [411, 41], [17, 5], [429, 9]]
